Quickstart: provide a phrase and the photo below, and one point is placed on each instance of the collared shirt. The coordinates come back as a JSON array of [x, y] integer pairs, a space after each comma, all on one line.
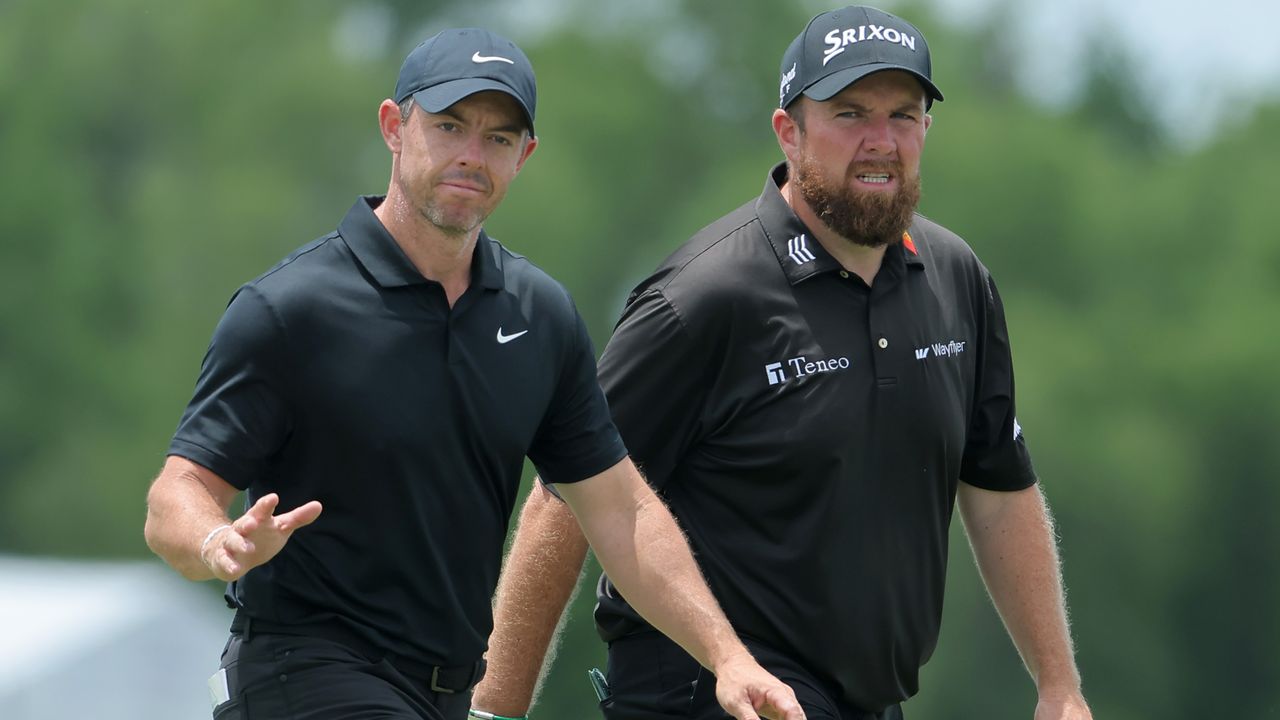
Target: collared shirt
[[809, 431], [343, 375]]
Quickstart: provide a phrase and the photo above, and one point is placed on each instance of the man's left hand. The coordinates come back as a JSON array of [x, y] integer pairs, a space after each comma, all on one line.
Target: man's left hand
[[748, 692]]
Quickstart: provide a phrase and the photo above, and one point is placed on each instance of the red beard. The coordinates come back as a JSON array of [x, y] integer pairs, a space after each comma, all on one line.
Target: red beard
[[870, 218]]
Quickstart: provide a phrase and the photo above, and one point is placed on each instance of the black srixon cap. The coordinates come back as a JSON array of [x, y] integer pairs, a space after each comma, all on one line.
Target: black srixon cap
[[840, 47], [453, 64]]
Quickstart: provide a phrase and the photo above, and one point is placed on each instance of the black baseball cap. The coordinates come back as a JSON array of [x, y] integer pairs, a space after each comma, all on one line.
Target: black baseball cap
[[840, 47], [453, 64]]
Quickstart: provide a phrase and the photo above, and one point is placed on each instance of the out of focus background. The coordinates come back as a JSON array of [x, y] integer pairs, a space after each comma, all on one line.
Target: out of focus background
[[1112, 163]]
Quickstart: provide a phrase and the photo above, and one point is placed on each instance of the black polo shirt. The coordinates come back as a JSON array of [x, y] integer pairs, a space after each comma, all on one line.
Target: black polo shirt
[[808, 432], [342, 375]]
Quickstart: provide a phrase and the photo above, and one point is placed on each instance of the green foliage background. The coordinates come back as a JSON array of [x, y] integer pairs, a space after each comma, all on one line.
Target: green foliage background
[[152, 157]]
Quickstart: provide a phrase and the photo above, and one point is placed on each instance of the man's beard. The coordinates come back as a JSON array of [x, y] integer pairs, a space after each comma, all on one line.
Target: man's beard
[[870, 218]]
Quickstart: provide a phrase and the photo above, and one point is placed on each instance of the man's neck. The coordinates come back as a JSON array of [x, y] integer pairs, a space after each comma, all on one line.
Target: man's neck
[[437, 255], [858, 259]]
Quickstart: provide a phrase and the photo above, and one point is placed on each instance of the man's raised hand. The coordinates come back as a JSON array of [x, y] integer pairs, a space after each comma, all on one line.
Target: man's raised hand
[[255, 537]]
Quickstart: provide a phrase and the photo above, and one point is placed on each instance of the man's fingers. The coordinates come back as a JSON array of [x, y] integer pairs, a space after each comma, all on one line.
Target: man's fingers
[[224, 565], [784, 701], [744, 711], [230, 567], [748, 692], [256, 536], [299, 517], [261, 510], [236, 544], [790, 711], [779, 704]]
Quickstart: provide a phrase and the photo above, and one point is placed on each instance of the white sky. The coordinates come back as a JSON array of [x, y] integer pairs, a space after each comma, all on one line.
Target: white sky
[[1200, 63]]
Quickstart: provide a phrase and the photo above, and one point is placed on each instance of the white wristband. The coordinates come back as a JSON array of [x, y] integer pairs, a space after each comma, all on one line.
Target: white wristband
[[482, 715], [207, 538]]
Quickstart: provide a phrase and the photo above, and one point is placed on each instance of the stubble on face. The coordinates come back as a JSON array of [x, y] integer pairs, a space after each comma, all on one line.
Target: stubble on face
[[454, 219], [868, 218]]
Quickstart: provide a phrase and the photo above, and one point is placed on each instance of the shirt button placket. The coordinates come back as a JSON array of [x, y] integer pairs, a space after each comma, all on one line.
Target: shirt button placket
[[885, 369]]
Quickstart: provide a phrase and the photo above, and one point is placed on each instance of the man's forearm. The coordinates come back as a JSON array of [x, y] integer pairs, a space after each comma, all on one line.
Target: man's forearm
[[181, 512], [639, 544], [1014, 544], [647, 556], [538, 580]]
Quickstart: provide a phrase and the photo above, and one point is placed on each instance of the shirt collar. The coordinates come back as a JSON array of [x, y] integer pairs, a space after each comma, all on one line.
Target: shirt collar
[[381, 255], [798, 251]]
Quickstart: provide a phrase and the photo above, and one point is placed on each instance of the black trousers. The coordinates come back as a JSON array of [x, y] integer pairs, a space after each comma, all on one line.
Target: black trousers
[[277, 677], [652, 678]]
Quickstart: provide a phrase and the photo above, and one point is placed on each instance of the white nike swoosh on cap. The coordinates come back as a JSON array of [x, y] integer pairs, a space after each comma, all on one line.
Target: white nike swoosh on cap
[[478, 58]]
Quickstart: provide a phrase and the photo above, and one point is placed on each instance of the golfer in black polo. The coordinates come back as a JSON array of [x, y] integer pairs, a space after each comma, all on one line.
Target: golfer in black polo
[[812, 382], [381, 386]]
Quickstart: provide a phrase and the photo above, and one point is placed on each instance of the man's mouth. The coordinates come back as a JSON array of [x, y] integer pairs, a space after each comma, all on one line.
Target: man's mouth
[[465, 186]]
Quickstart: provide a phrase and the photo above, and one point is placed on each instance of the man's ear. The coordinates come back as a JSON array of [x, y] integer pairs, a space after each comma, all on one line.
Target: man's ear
[[788, 132], [529, 147], [391, 125]]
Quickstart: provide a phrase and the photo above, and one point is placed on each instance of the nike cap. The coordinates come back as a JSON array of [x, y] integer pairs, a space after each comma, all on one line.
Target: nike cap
[[454, 64], [840, 47]]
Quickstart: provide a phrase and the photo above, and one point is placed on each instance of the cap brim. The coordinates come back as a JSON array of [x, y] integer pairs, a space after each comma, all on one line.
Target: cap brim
[[438, 97], [829, 86]]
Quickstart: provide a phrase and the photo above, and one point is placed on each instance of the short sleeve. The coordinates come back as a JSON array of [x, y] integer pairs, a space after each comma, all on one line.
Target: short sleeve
[[652, 374], [237, 418], [576, 439], [996, 455]]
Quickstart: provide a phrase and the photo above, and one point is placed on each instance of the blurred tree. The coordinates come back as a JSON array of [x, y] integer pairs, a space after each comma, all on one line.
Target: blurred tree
[[1113, 101], [154, 159]]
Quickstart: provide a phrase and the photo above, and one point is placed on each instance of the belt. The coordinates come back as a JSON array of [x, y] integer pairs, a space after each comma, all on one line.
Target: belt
[[439, 678]]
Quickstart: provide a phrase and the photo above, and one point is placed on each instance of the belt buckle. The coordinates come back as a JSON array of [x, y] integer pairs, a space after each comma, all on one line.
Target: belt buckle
[[435, 686]]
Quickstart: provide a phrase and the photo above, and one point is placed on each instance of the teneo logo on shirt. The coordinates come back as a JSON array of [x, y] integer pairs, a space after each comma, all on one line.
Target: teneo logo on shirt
[[801, 366], [774, 372], [837, 40], [949, 349]]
